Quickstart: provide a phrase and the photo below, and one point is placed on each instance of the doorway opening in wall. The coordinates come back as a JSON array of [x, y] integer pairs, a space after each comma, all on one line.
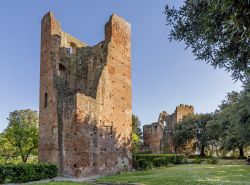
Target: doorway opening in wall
[[62, 71]]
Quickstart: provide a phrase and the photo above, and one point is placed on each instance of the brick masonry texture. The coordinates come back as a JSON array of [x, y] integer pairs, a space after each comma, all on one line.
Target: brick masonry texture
[[158, 136], [85, 118]]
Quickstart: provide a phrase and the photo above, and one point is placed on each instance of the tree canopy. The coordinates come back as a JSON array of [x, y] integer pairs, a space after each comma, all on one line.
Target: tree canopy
[[22, 133], [218, 32], [136, 133], [228, 129], [193, 127], [233, 121]]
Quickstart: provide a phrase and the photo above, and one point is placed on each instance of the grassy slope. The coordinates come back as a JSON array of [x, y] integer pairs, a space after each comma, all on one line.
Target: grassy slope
[[187, 174]]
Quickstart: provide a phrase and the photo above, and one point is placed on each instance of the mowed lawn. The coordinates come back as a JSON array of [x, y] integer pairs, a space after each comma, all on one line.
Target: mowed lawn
[[180, 175], [187, 174]]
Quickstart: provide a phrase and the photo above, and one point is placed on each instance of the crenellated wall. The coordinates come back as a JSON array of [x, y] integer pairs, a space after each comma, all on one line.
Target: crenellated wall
[[183, 110]]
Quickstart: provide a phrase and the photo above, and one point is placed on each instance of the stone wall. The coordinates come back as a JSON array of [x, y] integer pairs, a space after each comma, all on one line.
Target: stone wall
[[152, 136], [85, 100], [158, 136]]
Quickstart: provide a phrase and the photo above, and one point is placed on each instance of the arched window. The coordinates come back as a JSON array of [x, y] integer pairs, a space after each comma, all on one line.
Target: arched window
[[45, 100]]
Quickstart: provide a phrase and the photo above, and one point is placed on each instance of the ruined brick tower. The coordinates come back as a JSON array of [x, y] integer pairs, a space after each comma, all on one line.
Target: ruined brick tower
[[158, 136], [85, 100]]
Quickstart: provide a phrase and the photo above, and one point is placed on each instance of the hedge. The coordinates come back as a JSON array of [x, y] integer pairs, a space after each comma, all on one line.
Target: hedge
[[212, 161], [168, 158], [197, 160], [142, 164], [158, 162], [17, 173]]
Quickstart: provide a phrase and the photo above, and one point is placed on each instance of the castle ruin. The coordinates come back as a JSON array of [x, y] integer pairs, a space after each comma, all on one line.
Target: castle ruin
[[85, 118], [158, 136]]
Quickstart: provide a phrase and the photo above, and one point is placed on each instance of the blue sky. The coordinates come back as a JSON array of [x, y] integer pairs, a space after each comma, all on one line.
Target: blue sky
[[164, 74]]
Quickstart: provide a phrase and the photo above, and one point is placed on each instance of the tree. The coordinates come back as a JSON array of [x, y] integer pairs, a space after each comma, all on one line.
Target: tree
[[182, 134], [22, 132], [193, 127], [232, 121], [214, 135], [136, 133], [7, 151], [218, 32], [244, 112]]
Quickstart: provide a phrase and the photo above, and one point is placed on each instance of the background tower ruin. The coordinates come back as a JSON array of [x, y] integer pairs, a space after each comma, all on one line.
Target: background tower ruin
[[158, 136], [85, 119]]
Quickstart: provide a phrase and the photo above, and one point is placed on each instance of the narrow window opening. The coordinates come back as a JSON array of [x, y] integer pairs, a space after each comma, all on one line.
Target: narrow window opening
[[45, 100]]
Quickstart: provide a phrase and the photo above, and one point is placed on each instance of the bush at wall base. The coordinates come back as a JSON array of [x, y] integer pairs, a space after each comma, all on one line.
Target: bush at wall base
[[167, 158], [17, 173]]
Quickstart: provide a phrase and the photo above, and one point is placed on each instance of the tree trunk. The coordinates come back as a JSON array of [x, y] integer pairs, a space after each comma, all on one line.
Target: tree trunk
[[175, 150], [22, 155], [241, 152], [202, 154]]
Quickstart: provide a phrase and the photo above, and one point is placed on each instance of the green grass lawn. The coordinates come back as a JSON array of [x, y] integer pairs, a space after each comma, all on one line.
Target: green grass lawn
[[187, 174], [181, 175]]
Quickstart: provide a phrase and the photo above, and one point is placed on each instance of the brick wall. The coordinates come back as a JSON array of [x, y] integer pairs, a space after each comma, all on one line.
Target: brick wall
[[87, 123]]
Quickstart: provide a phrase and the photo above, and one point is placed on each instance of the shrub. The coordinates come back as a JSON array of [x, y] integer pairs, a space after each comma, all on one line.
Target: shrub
[[233, 157], [17, 173], [213, 161], [185, 161], [169, 158], [158, 162], [142, 164], [2, 176], [197, 161]]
